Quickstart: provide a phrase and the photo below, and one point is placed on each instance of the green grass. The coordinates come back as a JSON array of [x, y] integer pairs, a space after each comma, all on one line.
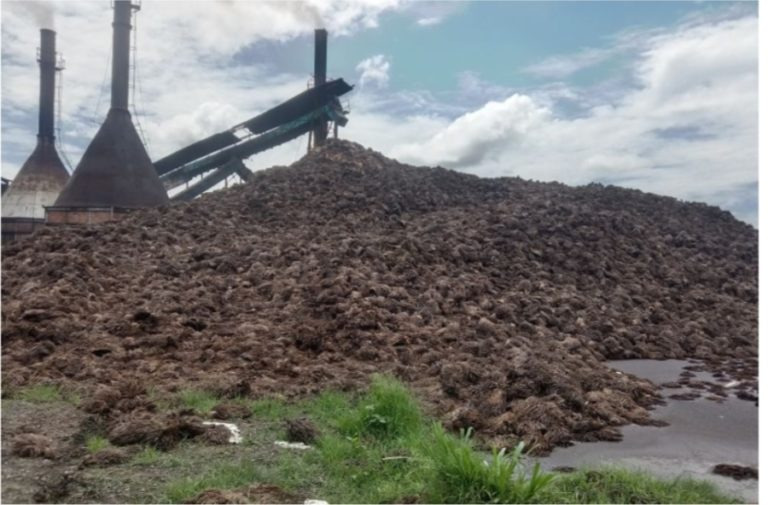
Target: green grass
[[270, 409], [220, 476], [45, 393], [374, 448], [380, 447], [95, 443], [387, 412], [149, 456], [617, 485], [459, 474], [201, 402]]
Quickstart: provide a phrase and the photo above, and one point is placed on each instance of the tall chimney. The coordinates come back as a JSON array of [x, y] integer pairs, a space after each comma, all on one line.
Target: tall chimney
[[115, 172], [121, 49], [321, 59], [47, 85], [42, 177]]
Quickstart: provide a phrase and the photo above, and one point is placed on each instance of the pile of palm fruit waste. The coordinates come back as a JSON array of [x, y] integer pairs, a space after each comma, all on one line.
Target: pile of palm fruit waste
[[496, 300]]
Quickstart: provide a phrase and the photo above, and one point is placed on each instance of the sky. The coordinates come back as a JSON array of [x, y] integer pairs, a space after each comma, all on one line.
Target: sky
[[658, 96]]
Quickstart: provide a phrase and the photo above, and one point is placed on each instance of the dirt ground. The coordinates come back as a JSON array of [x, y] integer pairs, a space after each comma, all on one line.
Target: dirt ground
[[66, 478], [496, 299]]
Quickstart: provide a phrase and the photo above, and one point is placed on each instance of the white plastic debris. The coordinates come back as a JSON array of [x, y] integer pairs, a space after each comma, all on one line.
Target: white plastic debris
[[234, 431], [732, 384], [315, 502], [292, 445]]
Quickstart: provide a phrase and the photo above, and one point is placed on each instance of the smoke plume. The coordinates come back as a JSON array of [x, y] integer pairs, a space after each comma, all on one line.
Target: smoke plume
[[41, 11]]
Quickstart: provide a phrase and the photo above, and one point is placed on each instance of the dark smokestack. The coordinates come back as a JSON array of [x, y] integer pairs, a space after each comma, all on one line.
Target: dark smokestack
[[321, 61], [121, 49], [47, 84], [115, 171]]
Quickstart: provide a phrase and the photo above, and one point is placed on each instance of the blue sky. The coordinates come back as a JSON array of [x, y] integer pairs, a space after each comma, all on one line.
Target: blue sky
[[660, 96], [496, 40]]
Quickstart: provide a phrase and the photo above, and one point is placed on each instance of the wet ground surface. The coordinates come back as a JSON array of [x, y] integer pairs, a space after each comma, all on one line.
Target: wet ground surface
[[701, 433]]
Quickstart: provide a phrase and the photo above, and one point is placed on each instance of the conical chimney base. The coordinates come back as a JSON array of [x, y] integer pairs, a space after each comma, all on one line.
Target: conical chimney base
[[115, 171], [38, 183]]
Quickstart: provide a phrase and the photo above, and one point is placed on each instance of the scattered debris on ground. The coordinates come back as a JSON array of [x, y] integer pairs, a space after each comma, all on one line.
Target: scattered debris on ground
[[250, 494], [33, 445], [736, 472], [222, 433], [496, 299], [54, 487], [229, 410], [106, 457], [300, 430], [292, 445], [161, 431]]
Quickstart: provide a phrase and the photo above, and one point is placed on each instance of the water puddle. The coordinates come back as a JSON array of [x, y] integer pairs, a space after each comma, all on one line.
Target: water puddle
[[701, 433]]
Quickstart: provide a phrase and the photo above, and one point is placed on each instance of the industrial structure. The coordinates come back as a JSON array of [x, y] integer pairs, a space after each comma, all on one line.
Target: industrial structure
[[217, 157], [43, 175], [115, 174], [221, 155]]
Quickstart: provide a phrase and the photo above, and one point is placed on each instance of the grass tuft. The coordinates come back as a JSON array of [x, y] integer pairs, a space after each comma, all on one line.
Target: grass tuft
[[40, 393], [95, 443], [269, 409], [618, 485], [459, 474], [388, 411], [147, 456], [201, 402]]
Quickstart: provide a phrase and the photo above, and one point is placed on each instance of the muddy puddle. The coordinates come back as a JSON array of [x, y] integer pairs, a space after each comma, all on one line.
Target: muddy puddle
[[701, 433]]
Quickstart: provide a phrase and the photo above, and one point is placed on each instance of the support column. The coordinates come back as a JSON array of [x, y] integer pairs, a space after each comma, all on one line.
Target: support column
[[321, 59]]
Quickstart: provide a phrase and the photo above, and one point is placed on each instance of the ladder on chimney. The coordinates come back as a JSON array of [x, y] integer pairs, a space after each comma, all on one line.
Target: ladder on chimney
[[135, 81], [60, 66]]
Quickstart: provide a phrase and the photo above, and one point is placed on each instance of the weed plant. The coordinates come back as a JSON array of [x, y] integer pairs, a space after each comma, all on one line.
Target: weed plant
[[460, 474]]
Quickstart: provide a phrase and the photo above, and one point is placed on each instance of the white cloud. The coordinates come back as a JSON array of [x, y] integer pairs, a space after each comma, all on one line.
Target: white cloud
[[700, 79], [561, 66], [429, 21], [472, 88], [433, 12], [374, 70], [477, 135]]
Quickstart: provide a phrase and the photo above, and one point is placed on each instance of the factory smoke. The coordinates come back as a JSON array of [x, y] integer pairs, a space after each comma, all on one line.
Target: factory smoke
[[40, 11]]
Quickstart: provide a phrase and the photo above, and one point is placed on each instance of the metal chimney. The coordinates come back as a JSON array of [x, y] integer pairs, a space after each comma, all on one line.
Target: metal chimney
[[121, 53], [43, 175], [321, 61], [115, 173], [47, 84]]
